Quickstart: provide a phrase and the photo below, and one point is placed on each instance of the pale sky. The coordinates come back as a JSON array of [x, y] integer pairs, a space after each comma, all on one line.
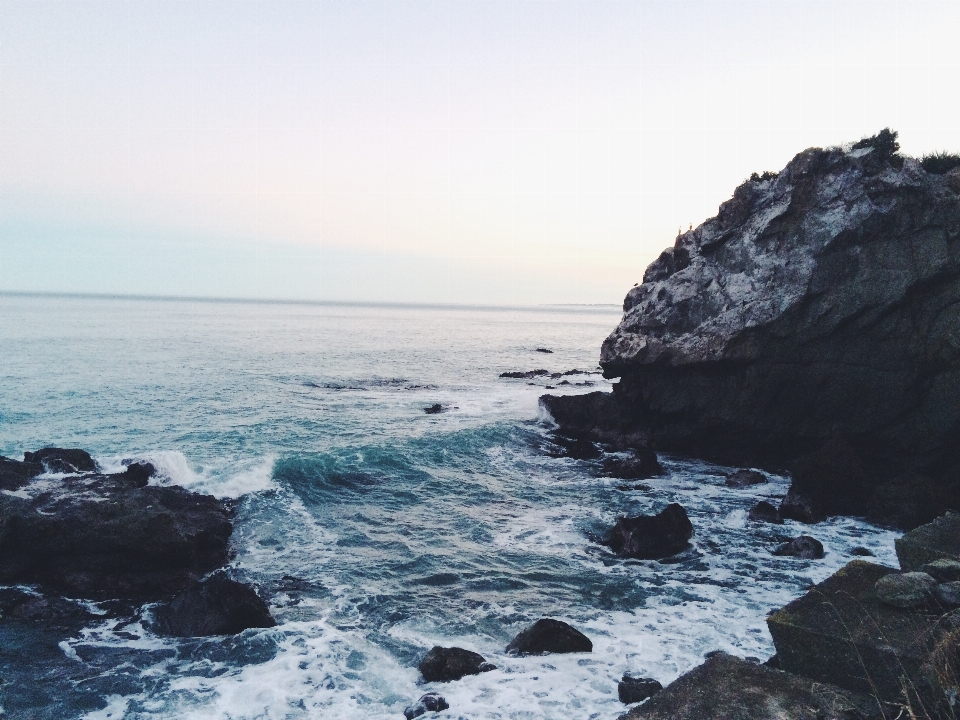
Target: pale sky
[[461, 151]]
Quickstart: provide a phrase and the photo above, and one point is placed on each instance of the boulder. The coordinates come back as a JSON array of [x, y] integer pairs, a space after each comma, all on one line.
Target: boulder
[[861, 552], [942, 570], [947, 595], [138, 474], [745, 478], [431, 702], [100, 536], [214, 606], [727, 688], [803, 547], [62, 460], [433, 409], [549, 636], [819, 306], [937, 540], [641, 464], [633, 689], [445, 664], [651, 537], [905, 590], [765, 512]]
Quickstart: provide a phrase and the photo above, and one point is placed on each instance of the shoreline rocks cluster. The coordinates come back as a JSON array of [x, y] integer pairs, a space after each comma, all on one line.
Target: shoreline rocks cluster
[[810, 326]]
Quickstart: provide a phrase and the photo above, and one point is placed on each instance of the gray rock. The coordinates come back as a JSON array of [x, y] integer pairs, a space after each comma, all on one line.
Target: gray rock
[[803, 547], [445, 664], [549, 636], [821, 302], [633, 689], [431, 702], [652, 537], [905, 590], [942, 570], [948, 594]]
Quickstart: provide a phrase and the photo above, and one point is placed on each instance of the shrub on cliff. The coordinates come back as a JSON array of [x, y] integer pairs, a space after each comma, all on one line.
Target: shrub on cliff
[[940, 163], [884, 143]]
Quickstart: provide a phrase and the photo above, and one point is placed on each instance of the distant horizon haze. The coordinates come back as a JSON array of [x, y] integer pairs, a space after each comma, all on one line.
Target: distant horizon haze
[[461, 153]]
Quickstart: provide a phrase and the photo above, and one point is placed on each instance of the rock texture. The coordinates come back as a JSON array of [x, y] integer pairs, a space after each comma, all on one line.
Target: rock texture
[[107, 536], [549, 636], [431, 702], [651, 537], [803, 547], [633, 690], [445, 664], [822, 303]]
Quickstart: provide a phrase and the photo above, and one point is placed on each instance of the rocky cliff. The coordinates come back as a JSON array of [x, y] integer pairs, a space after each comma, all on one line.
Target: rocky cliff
[[818, 312]]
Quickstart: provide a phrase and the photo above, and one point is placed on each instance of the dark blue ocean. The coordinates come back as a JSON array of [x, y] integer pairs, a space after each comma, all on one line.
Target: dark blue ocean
[[376, 530]]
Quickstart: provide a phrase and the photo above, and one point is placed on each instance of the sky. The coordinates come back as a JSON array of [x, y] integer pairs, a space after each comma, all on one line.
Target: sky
[[460, 151]]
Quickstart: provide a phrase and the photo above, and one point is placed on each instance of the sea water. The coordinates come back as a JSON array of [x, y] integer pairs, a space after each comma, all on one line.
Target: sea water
[[374, 529]]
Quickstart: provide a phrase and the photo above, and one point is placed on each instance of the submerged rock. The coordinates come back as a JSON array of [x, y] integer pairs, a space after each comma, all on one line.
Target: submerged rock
[[633, 690], [433, 409], [803, 547], [549, 636], [445, 664], [215, 606], [431, 702], [525, 375], [651, 537], [819, 305], [641, 464], [765, 512], [905, 590], [745, 478]]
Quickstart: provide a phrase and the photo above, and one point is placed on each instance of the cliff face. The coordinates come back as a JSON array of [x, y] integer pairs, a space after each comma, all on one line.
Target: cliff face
[[821, 304]]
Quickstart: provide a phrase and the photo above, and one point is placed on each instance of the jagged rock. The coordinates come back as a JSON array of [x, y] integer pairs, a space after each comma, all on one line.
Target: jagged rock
[[948, 594], [433, 409], [445, 664], [725, 687], [214, 606], [639, 465], [651, 537], [905, 590], [49, 611], [101, 536], [820, 303], [765, 512], [937, 540], [62, 460], [431, 702], [15, 474], [803, 547], [943, 570], [745, 478], [633, 690], [549, 636], [138, 474]]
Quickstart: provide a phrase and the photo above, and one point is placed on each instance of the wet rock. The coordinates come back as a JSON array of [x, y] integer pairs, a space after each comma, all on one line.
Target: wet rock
[[943, 570], [433, 409], [215, 606], [745, 478], [905, 590], [545, 350], [528, 375], [15, 474], [62, 460], [800, 507], [549, 636], [939, 539], [651, 537], [49, 611], [576, 448], [431, 702], [445, 664], [820, 304], [765, 512], [639, 465], [633, 690], [861, 552], [138, 474], [803, 547], [947, 594]]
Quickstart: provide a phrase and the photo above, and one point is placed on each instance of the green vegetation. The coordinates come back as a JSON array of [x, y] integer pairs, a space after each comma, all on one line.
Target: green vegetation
[[939, 163], [884, 143], [767, 175]]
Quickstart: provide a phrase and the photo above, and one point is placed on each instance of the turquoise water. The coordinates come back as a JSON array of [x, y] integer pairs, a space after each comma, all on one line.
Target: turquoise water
[[376, 530]]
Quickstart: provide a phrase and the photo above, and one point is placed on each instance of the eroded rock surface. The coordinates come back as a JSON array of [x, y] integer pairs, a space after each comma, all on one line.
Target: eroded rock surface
[[822, 302]]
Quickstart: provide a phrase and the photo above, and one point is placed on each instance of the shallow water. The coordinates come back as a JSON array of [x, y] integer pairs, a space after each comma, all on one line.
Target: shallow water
[[376, 530]]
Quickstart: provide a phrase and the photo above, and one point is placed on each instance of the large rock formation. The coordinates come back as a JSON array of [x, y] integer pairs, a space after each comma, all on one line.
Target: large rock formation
[[821, 304]]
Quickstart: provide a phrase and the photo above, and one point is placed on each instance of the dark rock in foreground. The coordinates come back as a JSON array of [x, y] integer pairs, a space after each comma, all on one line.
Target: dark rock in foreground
[[445, 664], [765, 512], [728, 688], [549, 636], [215, 606], [819, 306], [745, 478], [803, 547], [652, 537], [108, 536], [641, 464], [905, 590], [937, 540], [634, 690], [943, 570], [431, 702]]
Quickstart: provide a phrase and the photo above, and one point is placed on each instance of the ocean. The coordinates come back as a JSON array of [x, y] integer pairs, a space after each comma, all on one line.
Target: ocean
[[374, 529]]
